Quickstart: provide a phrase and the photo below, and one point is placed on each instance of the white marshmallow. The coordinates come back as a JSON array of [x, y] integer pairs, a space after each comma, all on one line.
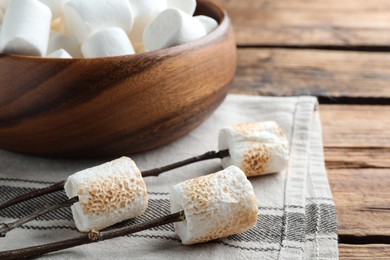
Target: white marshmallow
[[257, 148], [55, 7], [88, 16], [172, 27], [61, 41], [187, 6], [108, 194], [215, 206], [26, 28], [209, 23], [107, 42], [144, 12], [61, 53]]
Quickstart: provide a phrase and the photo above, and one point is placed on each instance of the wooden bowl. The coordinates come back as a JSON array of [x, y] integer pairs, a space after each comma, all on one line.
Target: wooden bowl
[[114, 106]]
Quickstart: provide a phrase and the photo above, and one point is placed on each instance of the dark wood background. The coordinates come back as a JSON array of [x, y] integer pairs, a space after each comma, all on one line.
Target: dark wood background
[[339, 51]]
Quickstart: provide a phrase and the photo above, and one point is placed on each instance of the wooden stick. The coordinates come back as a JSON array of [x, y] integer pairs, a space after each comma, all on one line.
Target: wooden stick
[[203, 157], [39, 212], [153, 172], [91, 237], [34, 194]]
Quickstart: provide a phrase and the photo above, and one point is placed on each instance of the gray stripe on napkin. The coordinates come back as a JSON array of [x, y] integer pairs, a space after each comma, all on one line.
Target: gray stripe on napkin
[[267, 229]]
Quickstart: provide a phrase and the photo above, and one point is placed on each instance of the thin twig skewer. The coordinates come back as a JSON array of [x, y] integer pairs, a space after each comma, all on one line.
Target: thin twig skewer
[[34, 194], [153, 172], [90, 237], [39, 212]]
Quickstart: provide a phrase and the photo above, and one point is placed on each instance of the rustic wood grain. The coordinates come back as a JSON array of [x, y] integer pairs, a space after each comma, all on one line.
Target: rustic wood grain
[[357, 158], [364, 251], [356, 127], [310, 23], [117, 105], [331, 74], [357, 148], [362, 198]]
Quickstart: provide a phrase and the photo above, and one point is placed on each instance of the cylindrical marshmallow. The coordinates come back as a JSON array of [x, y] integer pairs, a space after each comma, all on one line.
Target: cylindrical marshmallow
[[62, 41], [107, 42], [187, 6], [108, 194], [172, 27], [55, 7], [144, 11], [26, 28], [215, 206], [257, 148], [87, 16], [61, 54], [209, 23]]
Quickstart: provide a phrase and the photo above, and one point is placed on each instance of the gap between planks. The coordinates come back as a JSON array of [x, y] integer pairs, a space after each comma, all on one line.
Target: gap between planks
[[315, 22], [333, 76]]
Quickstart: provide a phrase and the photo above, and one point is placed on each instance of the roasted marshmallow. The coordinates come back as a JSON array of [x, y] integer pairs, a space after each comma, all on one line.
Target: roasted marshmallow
[[107, 42], [25, 28], [55, 7], [257, 148], [209, 23], [187, 6], [61, 53], [144, 12], [108, 194], [215, 206], [84, 17], [62, 41], [172, 27]]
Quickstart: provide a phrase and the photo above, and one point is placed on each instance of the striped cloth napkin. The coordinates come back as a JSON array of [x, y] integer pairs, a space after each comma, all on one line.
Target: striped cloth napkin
[[297, 217]]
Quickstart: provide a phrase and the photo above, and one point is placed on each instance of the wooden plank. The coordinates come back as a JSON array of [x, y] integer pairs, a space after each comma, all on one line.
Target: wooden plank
[[357, 158], [362, 198], [357, 127], [286, 72], [315, 22], [364, 251], [357, 148]]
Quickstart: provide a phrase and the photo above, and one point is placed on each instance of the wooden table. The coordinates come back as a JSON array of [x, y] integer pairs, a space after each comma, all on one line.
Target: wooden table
[[339, 51]]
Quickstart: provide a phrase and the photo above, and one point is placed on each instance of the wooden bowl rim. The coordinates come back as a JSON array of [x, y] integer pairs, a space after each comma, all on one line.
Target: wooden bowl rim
[[215, 34]]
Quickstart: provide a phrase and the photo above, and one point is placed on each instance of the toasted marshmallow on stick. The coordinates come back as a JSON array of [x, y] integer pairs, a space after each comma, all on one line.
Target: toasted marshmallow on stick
[[215, 206], [84, 17], [25, 29], [257, 148], [170, 28], [108, 194]]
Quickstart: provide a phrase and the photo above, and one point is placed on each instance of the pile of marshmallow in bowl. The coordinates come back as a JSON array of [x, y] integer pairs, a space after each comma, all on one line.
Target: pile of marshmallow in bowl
[[97, 28]]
